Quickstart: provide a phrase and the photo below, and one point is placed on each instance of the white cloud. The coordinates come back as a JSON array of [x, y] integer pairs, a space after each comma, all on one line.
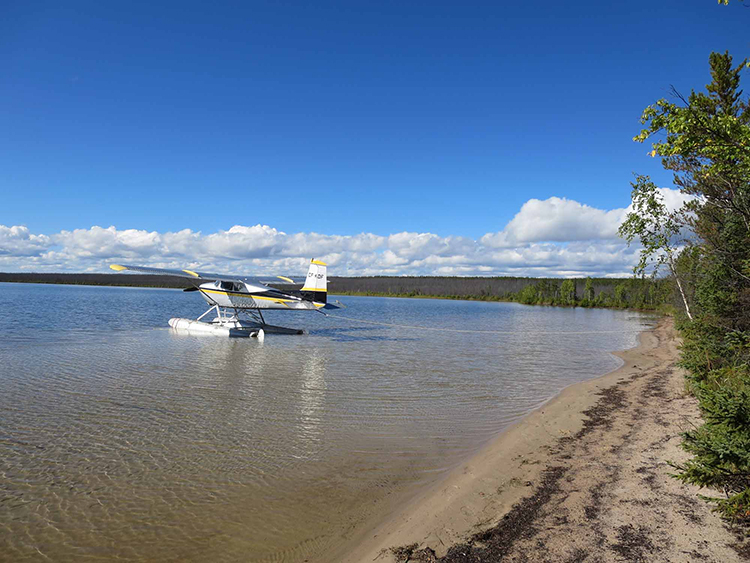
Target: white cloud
[[18, 241], [559, 219], [99, 242], [553, 237], [565, 220], [415, 246]]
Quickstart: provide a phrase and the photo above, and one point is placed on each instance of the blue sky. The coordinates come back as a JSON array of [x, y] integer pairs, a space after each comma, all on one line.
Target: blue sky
[[337, 118]]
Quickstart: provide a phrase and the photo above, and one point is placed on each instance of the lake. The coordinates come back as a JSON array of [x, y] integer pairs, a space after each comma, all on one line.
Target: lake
[[120, 438]]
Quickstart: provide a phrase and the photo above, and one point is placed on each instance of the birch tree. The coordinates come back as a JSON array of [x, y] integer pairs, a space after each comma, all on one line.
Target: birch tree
[[657, 229]]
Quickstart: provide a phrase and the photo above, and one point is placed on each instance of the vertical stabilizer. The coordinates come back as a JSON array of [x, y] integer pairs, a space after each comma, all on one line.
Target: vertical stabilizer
[[316, 283]]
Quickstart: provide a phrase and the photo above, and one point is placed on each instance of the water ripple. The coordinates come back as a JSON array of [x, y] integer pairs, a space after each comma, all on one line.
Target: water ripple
[[122, 440]]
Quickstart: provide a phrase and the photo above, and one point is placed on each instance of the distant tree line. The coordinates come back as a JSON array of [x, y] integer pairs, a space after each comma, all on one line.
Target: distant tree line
[[582, 292], [588, 292], [122, 280]]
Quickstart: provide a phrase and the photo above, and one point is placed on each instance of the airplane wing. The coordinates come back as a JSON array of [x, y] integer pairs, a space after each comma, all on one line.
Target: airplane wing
[[278, 280]]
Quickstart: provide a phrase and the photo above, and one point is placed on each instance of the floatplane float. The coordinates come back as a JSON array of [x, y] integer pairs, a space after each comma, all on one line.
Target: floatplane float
[[230, 297]]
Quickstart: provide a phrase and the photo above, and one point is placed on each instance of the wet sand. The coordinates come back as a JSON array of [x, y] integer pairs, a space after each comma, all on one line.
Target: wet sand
[[584, 478]]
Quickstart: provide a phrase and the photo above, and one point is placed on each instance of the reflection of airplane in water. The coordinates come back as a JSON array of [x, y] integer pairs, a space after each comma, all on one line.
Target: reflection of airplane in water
[[230, 296]]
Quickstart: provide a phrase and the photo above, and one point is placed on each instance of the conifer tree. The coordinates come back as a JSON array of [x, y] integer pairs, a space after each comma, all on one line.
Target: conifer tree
[[704, 140]]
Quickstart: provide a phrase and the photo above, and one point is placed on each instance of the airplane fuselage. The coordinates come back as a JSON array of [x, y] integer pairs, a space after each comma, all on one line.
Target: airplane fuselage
[[241, 295]]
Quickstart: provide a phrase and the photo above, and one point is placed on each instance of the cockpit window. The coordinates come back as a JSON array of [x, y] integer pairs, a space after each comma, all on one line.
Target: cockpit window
[[229, 286]]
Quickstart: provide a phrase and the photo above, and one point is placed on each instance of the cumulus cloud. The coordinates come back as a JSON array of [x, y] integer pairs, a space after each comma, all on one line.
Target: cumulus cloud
[[560, 219], [99, 242], [552, 237], [18, 241], [565, 220]]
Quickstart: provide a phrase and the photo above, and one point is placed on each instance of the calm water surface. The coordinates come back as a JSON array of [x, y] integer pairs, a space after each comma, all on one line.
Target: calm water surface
[[122, 439]]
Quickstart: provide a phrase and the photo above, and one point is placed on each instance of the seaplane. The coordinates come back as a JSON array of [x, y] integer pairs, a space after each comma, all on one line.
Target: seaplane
[[229, 297]]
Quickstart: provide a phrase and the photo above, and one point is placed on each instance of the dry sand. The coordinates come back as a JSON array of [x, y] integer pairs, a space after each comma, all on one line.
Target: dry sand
[[584, 478]]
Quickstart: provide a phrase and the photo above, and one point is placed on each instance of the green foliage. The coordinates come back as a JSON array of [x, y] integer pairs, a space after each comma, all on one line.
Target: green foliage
[[588, 291], [568, 292], [621, 294], [721, 446], [528, 295], [629, 293], [726, 2], [635, 293], [657, 229], [705, 141], [652, 224]]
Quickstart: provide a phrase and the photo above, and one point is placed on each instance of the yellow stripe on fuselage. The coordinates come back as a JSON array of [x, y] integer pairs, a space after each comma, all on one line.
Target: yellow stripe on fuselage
[[247, 295]]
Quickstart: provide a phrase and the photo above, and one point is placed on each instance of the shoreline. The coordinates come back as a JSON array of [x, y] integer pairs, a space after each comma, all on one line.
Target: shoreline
[[480, 299], [148, 281], [514, 486]]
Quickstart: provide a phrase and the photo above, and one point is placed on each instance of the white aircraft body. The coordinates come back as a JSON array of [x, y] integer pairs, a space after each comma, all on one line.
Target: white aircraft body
[[229, 296]]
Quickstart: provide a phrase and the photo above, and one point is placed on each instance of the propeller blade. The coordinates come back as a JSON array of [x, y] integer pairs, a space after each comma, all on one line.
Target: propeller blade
[[188, 289]]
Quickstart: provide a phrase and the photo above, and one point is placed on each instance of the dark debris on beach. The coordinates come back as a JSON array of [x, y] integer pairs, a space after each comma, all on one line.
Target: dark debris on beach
[[508, 539]]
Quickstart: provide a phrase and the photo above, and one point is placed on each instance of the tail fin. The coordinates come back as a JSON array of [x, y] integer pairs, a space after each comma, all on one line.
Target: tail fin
[[316, 283]]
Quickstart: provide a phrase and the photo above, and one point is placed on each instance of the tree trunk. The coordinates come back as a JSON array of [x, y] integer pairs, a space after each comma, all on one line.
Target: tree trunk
[[679, 285]]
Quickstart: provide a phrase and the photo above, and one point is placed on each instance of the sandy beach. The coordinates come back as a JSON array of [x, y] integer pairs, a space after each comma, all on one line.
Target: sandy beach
[[584, 478]]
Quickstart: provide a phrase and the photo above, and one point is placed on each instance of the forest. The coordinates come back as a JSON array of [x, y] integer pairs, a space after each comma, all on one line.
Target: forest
[[703, 139], [121, 280], [637, 293]]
